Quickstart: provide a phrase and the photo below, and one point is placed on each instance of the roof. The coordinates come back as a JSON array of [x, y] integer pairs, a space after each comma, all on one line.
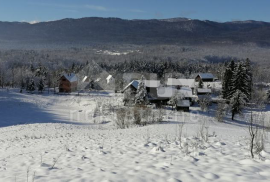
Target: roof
[[206, 75], [134, 83], [109, 77], [181, 82], [183, 103], [148, 83], [71, 77], [165, 92], [168, 92], [204, 90], [152, 83], [85, 79], [186, 92]]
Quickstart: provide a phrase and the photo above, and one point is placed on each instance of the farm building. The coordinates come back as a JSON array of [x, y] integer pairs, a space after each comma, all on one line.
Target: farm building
[[150, 85], [183, 105], [204, 91], [68, 83], [205, 77], [178, 83], [165, 93]]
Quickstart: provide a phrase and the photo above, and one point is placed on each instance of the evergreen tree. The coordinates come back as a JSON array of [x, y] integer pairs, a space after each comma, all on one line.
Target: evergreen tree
[[41, 85], [141, 94], [201, 83], [240, 81], [238, 101], [227, 80], [249, 76], [31, 86]]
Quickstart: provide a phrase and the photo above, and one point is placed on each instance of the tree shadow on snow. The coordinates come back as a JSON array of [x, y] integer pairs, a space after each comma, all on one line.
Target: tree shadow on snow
[[13, 111]]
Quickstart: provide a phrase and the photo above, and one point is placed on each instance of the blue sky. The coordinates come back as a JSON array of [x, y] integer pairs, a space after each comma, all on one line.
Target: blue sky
[[215, 10]]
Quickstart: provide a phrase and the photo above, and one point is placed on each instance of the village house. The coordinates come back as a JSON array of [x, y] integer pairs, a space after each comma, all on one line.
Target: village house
[[68, 83], [183, 105], [205, 77], [180, 82], [204, 91], [150, 85]]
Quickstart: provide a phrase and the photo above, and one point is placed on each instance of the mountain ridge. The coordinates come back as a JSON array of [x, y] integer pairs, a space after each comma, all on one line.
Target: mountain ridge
[[93, 30]]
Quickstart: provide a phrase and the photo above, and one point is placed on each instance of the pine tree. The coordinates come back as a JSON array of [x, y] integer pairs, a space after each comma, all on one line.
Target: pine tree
[[31, 86], [201, 83], [41, 85], [141, 94], [227, 80], [240, 81], [249, 76], [238, 101]]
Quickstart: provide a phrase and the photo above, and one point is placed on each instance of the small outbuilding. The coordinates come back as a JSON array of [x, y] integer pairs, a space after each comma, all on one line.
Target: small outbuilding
[[183, 105], [68, 83], [204, 91]]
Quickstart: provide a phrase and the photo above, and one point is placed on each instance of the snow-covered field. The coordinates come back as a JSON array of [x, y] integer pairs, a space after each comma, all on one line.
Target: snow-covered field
[[64, 138]]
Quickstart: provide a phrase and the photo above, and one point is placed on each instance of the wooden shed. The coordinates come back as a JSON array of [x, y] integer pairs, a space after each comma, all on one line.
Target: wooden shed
[[68, 83]]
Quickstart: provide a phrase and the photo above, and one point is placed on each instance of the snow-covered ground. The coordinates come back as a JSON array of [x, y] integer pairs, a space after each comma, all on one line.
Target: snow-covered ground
[[65, 138]]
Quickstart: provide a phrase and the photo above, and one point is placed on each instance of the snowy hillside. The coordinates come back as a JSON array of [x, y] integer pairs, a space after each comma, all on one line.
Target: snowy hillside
[[67, 138]]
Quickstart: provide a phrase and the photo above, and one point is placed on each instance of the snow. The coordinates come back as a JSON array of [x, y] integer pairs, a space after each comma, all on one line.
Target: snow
[[204, 90], [38, 130], [109, 79], [183, 103], [71, 77], [148, 83], [181, 82], [168, 92]]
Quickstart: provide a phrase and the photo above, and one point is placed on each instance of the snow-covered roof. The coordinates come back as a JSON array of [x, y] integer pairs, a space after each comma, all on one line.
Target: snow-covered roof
[[186, 92], [134, 83], [152, 83], [71, 77], [168, 92], [85, 79], [148, 83], [206, 75], [204, 90], [165, 92], [109, 77], [181, 82], [183, 103], [216, 84]]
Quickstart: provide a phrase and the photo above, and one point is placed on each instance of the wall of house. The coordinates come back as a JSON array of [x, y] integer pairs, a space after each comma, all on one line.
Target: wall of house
[[66, 86]]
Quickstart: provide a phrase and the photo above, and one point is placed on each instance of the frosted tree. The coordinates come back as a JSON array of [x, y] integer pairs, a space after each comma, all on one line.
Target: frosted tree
[[200, 84], [31, 86], [175, 98], [141, 94], [240, 81], [128, 98], [227, 80], [40, 85], [238, 101]]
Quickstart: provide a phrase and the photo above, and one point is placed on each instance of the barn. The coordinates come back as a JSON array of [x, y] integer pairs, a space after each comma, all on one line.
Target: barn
[[68, 83]]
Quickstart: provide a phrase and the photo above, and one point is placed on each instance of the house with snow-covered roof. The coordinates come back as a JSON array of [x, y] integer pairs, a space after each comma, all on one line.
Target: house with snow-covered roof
[[68, 83], [205, 77], [181, 82]]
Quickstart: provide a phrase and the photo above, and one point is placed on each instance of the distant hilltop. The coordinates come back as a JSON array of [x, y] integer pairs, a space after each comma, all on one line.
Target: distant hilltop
[[96, 30]]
